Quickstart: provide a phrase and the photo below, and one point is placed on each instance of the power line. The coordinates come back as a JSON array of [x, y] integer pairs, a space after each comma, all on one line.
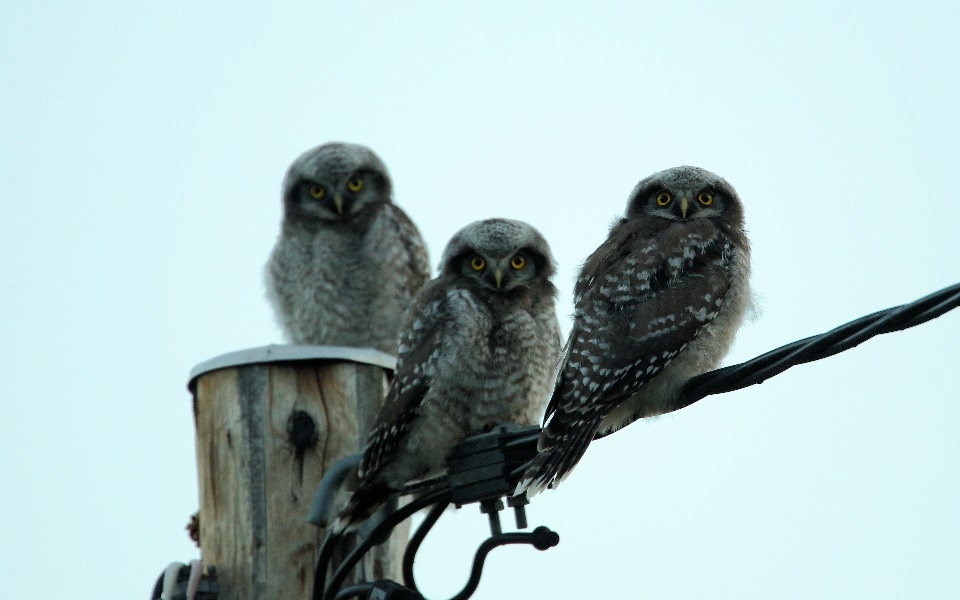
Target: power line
[[486, 468], [816, 347]]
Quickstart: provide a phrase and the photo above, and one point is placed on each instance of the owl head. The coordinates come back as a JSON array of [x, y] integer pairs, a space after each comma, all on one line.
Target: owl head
[[498, 255], [684, 193], [335, 182]]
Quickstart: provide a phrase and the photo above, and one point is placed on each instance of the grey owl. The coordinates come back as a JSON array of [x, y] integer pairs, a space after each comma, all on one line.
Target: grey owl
[[479, 347], [348, 260], [657, 303]]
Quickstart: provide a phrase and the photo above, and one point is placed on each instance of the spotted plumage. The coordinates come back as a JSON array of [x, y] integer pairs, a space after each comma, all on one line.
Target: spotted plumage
[[348, 260], [479, 348], [657, 303]]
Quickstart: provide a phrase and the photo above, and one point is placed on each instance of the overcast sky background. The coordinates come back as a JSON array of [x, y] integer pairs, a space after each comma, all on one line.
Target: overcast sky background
[[143, 146]]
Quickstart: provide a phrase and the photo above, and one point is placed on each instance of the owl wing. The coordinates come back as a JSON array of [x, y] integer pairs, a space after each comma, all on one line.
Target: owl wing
[[638, 304], [414, 247], [420, 339]]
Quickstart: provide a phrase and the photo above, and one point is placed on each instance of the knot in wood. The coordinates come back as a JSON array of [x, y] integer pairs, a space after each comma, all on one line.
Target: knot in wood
[[302, 432]]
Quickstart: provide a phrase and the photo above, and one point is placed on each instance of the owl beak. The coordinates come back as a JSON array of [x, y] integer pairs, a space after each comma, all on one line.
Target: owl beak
[[684, 205], [338, 203], [498, 276]]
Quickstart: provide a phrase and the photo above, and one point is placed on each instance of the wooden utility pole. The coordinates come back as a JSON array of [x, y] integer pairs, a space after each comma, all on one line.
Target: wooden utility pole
[[270, 421]]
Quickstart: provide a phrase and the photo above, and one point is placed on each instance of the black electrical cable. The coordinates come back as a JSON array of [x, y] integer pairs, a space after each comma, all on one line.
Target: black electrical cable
[[351, 560], [825, 345], [439, 493], [359, 590], [409, 554], [840, 339]]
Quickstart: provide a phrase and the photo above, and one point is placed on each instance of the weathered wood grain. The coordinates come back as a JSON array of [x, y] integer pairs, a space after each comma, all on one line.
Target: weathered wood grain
[[256, 485]]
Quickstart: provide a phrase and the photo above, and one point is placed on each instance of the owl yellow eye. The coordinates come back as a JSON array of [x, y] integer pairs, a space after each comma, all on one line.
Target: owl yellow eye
[[663, 198], [355, 184], [316, 191], [705, 198], [518, 261], [477, 263]]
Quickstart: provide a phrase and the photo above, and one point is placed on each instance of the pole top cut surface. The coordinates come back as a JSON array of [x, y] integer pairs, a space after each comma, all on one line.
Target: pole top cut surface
[[277, 353]]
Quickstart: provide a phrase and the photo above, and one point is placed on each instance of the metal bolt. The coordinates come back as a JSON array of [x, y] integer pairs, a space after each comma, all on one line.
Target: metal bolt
[[492, 509], [519, 503]]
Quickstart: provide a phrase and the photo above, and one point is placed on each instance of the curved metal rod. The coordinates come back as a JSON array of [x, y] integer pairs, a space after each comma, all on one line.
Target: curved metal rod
[[327, 489], [351, 560], [409, 554], [540, 538]]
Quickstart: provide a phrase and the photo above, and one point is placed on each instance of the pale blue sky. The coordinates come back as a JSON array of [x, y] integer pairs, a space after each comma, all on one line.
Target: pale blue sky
[[142, 152]]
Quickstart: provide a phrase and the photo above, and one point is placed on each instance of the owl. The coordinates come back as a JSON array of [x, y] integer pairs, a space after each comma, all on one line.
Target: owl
[[657, 303], [348, 260], [479, 348]]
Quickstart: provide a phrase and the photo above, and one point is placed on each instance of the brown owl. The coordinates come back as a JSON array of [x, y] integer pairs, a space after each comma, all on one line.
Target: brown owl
[[657, 303]]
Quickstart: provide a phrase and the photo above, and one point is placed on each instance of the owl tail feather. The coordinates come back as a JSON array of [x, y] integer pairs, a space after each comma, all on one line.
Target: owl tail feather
[[360, 506], [557, 458]]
